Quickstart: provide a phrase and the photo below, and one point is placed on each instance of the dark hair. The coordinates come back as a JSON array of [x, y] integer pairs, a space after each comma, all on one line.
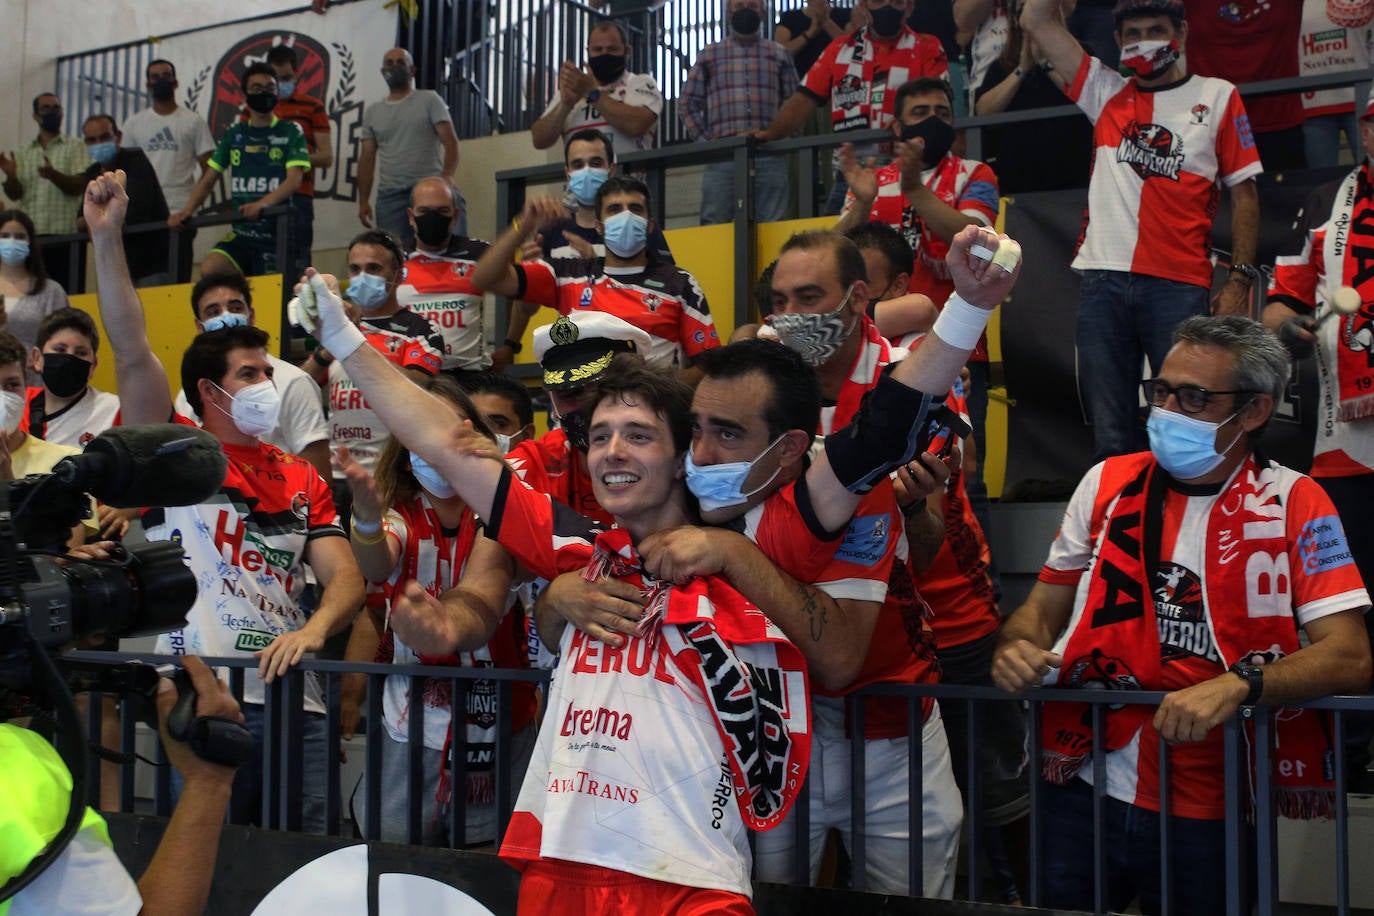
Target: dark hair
[[230, 278], [258, 69], [68, 319], [621, 184], [847, 257], [208, 357], [34, 262], [920, 86], [659, 390], [795, 399], [889, 242], [12, 350], [590, 135], [1011, 51], [602, 25], [283, 54], [395, 481], [44, 95], [503, 386], [383, 239], [763, 290], [114, 127], [160, 60]]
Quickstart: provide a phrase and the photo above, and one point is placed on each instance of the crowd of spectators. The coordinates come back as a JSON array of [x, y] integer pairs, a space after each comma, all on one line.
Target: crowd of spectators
[[700, 521]]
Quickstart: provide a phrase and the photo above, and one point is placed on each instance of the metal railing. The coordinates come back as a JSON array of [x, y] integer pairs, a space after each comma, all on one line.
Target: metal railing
[[283, 767]]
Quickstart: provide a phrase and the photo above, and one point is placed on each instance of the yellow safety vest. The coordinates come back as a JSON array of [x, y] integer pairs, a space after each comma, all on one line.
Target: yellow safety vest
[[34, 797]]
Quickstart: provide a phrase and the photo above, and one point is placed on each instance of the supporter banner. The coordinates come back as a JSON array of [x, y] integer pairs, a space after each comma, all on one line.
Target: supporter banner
[[1047, 435], [340, 55]]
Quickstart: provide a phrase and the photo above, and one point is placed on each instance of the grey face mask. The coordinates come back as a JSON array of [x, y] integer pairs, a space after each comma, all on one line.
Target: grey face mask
[[813, 336]]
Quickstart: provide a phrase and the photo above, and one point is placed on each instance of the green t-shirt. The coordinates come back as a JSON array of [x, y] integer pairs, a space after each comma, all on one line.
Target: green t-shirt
[[257, 159]]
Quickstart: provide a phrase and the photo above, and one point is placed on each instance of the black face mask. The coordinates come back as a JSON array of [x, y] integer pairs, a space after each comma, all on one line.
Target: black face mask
[[65, 375], [262, 102], [745, 22], [51, 122], [396, 77], [433, 228], [162, 90], [607, 67], [938, 135], [577, 427], [887, 21]]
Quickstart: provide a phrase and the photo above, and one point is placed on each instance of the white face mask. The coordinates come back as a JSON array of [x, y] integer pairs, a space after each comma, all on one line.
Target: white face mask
[[11, 410], [255, 408]]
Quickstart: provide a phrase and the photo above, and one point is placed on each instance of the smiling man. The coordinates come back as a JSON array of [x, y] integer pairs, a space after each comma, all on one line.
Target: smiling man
[[641, 734]]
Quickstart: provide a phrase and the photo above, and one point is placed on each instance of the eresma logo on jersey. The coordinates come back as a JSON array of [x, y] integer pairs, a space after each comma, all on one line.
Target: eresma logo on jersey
[[1152, 150]]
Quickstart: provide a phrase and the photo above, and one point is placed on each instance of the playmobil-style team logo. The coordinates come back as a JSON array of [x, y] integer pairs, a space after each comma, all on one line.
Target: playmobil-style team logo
[[226, 100], [1152, 150]]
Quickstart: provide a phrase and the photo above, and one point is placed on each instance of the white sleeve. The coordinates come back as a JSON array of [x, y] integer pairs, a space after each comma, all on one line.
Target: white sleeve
[[1098, 89], [87, 878], [1072, 547], [205, 141], [641, 90], [302, 415]]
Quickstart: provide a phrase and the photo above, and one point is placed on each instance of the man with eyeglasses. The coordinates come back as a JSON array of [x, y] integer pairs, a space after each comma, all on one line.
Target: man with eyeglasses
[[1216, 555], [45, 180]]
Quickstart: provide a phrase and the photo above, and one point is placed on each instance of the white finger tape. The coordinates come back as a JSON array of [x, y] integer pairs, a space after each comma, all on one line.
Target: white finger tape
[[981, 252]]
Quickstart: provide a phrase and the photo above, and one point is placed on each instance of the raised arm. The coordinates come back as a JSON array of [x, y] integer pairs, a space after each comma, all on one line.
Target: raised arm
[[495, 270], [1043, 20], [422, 422], [142, 382], [889, 428], [466, 616]]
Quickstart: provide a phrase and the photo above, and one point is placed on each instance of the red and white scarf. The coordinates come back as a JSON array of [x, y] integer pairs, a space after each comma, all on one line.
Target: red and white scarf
[[1349, 243], [1114, 644], [851, 105], [754, 679]]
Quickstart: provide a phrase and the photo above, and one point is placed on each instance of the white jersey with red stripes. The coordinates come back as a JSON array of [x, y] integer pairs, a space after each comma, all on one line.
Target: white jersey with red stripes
[[439, 287], [1159, 156]]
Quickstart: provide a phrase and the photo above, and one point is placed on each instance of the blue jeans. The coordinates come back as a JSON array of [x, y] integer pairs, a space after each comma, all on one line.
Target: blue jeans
[[770, 191], [1321, 135], [1197, 856], [245, 800], [1123, 317]]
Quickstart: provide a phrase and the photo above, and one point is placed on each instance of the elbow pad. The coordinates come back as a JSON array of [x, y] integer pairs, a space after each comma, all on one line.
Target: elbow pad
[[894, 425]]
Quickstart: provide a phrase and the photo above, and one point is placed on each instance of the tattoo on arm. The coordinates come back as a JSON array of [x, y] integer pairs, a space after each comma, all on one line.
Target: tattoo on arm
[[814, 610]]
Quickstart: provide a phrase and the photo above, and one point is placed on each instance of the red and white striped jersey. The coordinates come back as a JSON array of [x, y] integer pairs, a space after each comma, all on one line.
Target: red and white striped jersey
[[439, 287], [1158, 157]]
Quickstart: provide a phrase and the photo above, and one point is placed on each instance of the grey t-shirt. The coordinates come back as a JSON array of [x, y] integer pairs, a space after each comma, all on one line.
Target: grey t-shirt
[[408, 148]]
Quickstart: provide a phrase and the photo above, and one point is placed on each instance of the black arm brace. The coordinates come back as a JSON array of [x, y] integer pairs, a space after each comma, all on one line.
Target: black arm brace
[[894, 425]]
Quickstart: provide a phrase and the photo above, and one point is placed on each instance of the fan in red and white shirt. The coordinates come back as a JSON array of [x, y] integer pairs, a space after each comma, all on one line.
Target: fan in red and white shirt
[[1165, 142], [437, 284], [1189, 569], [858, 74], [662, 299]]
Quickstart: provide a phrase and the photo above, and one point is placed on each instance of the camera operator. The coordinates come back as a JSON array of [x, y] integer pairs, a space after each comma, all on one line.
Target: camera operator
[[88, 877]]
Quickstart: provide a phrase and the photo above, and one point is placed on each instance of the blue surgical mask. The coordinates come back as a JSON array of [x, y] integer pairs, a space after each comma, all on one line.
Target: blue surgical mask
[[103, 153], [720, 486], [1185, 446], [625, 234], [429, 478], [14, 251], [286, 88], [368, 291], [225, 320], [584, 183]]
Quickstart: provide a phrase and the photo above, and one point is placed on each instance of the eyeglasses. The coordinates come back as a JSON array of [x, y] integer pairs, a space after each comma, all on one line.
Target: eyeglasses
[[1191, 398]]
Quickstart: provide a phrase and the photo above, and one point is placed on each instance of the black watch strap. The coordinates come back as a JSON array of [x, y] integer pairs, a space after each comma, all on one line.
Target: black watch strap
[[515, 345], [1252, 675]]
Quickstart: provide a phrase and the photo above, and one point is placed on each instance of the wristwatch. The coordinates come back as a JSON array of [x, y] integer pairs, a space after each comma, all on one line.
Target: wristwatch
[[593, 96], [515, 345], [1252, 675]]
